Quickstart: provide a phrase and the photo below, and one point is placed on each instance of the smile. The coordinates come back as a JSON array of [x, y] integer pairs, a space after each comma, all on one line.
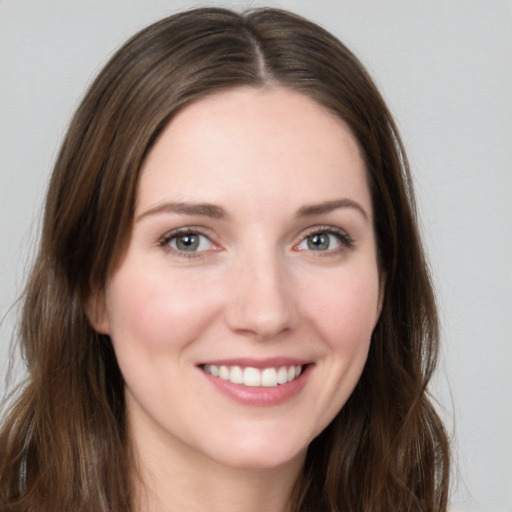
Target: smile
[[254, 377]]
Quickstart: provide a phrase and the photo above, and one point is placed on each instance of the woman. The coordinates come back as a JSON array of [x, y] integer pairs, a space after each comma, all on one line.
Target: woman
[[230, 308]]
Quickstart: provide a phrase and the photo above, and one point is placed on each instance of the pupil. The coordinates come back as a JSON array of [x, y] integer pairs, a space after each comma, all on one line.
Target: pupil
[[187, 242], [318, 242]]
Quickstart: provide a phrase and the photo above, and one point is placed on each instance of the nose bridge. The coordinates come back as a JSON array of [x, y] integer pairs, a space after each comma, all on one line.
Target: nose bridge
[[262, 302]]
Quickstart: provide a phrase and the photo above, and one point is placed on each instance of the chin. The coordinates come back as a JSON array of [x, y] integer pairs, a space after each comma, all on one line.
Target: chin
[[265, 453]]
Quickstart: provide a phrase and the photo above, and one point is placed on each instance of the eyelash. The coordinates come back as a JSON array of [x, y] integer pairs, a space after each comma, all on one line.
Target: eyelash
[[345, 241], [189, 230]]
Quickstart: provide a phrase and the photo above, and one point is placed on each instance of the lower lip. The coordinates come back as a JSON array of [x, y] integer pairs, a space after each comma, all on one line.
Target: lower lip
[[260, 396]]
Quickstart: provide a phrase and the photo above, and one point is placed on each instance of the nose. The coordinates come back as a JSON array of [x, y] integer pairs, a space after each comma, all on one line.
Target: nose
[[261, 300]]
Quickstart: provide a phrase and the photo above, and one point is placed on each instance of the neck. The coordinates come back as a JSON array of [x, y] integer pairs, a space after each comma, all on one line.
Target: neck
[[174, 478]]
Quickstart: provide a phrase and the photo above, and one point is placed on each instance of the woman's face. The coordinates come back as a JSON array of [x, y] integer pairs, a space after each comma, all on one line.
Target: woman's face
[[242, 310]]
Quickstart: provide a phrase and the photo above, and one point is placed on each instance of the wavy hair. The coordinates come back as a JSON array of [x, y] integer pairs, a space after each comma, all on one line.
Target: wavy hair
[[64, 443]]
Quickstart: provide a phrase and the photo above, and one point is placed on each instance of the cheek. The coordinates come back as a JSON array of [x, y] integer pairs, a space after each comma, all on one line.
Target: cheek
[[344, 311], [347, 309], [152, 313]]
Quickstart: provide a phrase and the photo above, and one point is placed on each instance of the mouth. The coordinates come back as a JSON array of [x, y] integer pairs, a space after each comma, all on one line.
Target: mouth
[[251, 377], [257, 382]]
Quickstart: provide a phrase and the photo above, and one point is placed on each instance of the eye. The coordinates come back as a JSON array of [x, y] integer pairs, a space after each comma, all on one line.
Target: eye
[[325, 240], [187, 241]]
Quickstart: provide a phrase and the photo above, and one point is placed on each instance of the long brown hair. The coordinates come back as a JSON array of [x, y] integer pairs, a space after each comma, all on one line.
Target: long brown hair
[[64, 443]]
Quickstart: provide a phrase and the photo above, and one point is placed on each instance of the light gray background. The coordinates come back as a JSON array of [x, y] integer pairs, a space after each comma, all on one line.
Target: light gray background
[[445, 69]]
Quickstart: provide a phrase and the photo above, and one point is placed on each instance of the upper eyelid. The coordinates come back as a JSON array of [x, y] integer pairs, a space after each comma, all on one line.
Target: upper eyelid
[[187, 229], [164, 242], [198, 230], [345, 238], [304, 233], [324, 229]]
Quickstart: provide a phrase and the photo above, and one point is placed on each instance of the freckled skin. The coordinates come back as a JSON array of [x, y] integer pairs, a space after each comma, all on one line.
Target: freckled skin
[[255, 289]]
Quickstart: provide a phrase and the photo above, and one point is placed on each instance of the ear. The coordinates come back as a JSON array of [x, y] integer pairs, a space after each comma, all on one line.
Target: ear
[[96, 311]]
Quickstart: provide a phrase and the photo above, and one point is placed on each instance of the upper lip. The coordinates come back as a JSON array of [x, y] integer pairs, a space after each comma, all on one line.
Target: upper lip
[[247, 362]]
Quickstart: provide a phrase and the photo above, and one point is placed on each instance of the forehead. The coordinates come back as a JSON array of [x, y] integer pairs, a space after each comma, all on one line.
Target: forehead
[[261, 144]]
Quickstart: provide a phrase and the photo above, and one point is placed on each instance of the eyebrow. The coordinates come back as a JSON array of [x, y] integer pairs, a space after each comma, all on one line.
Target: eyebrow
[[202, 209], [329, 206], [217, 212]]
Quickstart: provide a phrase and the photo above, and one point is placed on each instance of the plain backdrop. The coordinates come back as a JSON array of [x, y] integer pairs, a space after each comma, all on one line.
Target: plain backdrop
[[445, 69]]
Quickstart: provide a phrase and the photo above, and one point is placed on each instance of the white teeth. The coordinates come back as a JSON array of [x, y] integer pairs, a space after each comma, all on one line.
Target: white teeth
[[236, 375], [253, 377], [269, 377], [282, 375], [224, 373]]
